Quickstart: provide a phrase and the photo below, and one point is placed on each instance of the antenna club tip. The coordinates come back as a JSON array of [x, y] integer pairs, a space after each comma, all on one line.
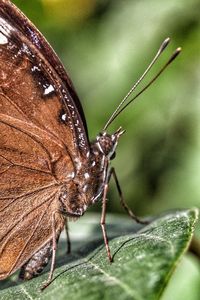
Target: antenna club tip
[[164, 44], [177, 52]]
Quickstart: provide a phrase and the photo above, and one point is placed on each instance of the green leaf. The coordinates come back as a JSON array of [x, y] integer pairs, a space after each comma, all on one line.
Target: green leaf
[[144, 260]]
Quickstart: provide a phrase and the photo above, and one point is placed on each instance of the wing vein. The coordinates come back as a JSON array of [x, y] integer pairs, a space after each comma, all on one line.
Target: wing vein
[[28, 240], [29, 135], [24, 195], [22, 217], [22, 166], [14, 104]]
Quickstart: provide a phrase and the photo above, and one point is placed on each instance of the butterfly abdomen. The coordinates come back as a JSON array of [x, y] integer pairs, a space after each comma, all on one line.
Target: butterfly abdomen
[[37, 263]]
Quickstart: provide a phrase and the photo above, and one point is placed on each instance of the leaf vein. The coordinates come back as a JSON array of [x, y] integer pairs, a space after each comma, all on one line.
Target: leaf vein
[[26, 292], [124, 286]]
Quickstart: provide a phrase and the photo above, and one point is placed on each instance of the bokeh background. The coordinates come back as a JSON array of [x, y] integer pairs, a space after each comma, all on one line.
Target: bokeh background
[[105, 46]]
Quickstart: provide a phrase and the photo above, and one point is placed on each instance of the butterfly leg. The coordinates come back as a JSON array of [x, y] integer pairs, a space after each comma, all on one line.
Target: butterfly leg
[[68, 238], [103, 220], [53, 259], [122, 201]]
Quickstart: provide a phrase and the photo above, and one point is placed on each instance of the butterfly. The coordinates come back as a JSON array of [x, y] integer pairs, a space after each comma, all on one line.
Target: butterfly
[[49, 170]]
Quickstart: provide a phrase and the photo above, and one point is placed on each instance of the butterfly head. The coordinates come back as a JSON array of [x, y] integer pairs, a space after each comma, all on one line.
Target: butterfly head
[[107, 143]]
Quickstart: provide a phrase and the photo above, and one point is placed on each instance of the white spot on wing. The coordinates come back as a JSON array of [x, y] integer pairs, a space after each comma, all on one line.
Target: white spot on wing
[[5, 30], [35, 68], [49, 90], [64, 117], [3, 39]]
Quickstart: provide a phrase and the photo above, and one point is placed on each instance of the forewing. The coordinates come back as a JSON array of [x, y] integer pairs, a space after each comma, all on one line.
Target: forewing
[[42, 131], [34, 86]]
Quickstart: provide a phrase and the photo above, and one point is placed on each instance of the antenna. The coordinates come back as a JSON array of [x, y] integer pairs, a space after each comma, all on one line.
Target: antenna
[[119, 109]]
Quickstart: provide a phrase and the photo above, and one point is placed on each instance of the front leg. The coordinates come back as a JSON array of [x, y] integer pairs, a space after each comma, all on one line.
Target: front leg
[[123, 203], [103, 220], [68, 237], [122, 200]]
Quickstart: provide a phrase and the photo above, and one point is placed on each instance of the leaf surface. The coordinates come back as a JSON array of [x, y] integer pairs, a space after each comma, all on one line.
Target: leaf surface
[[144, 259]]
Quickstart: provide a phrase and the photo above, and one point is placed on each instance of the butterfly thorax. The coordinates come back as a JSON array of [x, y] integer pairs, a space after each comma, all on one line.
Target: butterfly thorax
[[91, 175]]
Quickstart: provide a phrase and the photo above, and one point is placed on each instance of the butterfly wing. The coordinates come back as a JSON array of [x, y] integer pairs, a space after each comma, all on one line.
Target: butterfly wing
[[30, 228], [29, 63], [32, 34], [42, 132]]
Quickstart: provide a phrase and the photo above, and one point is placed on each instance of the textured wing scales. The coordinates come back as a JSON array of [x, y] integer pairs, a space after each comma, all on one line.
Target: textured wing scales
[[29, 230]]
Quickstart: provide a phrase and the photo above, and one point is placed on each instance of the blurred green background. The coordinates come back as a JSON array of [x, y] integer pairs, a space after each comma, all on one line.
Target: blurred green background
[[105, 45]]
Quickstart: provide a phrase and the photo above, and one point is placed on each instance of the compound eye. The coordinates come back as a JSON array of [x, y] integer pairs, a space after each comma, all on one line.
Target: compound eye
[[113, 155]]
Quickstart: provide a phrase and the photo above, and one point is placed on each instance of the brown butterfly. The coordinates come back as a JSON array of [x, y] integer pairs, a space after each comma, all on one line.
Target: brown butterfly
[[49, 170]]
